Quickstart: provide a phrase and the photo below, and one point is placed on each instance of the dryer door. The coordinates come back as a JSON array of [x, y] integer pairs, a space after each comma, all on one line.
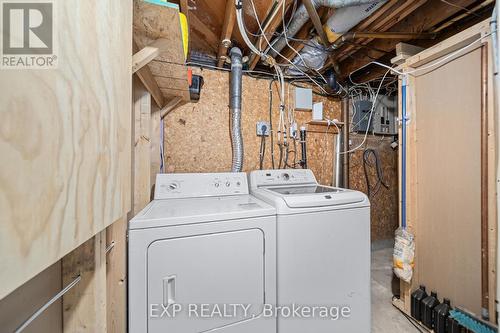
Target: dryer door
[[205, 277]]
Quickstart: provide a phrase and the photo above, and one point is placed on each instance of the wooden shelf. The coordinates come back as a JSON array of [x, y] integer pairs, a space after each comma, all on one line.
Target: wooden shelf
[[325, 123], [153, 23]]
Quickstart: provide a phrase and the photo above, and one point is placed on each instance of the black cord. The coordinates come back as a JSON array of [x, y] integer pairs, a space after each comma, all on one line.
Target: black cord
[[380, 173], [410, 319], [262, 152]]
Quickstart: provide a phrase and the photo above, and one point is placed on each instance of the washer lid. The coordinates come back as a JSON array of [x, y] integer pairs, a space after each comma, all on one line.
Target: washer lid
[[169, 212], [309, 196]]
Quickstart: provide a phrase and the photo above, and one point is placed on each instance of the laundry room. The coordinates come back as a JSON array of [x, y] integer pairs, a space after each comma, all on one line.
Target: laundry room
[[241, 166]]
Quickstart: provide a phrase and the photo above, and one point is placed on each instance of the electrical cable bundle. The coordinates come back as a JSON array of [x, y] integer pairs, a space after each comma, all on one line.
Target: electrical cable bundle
[[368, 154]]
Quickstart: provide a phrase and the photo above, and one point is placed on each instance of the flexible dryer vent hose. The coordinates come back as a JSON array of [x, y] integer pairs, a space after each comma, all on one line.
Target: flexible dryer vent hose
[[235, 95]]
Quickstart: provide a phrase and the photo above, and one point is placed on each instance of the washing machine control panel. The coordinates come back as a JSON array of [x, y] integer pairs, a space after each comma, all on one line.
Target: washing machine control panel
[[282, 177], [193, 185]]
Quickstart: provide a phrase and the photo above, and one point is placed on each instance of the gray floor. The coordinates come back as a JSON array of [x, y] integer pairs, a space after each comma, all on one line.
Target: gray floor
[[385, 318]]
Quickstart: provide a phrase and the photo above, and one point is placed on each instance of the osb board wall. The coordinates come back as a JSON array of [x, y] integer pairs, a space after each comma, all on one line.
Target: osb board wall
[[65, 140], [197, 137], [384, 203]]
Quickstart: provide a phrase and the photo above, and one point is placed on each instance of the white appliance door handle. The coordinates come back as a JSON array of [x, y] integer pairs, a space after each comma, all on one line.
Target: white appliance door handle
[[169, 290]]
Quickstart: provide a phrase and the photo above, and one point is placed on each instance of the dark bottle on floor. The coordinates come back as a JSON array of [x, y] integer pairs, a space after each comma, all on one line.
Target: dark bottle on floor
[[441, 313], [416, 302], [429, 303]]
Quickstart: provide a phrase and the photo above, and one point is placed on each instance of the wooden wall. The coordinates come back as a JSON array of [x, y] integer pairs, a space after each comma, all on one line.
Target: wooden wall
[[65, 141], [197, 139], [384, 203], [451, 171]]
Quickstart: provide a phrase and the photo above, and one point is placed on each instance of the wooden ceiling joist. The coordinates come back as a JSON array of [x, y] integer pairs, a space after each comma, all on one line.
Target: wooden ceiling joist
[[398, 12], [434, 12], [202, 29], [274, 22], [227, 32]]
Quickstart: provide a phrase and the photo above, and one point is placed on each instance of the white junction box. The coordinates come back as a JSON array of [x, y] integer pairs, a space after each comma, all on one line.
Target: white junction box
[[303, 99], [317, 113]]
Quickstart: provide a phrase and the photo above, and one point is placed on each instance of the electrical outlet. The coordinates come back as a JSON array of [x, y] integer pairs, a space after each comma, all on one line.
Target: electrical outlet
[[263, 128], [293, 131]]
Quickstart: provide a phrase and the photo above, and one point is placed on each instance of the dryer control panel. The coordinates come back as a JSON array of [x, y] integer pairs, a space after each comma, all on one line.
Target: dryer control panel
[[281, 177], [194, 185]]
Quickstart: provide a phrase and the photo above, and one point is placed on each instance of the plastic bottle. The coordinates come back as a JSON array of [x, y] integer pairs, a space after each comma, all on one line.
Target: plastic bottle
[[454, 326], [441, 314], [416, 302], [429, 303]]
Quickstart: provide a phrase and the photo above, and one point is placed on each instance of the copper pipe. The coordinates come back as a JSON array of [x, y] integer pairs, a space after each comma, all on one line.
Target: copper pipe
[[484, 185]]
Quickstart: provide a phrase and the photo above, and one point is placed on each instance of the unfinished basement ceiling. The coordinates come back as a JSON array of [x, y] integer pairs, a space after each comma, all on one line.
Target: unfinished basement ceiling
[[442, 17]]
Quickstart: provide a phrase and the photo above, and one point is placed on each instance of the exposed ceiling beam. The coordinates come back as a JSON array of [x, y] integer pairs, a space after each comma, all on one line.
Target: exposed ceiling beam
[[274, 21], [146, 77], [202, 29], [227, 32], [316, 20], [397, 13], [434, 12]]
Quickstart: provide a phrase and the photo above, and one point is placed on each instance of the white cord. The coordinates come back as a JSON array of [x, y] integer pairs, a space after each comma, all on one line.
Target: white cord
[[371, 115], [431, 65], [269, 43]]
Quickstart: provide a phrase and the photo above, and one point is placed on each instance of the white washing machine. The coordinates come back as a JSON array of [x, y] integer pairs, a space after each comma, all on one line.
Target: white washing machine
[[198, 254], [323, 251]]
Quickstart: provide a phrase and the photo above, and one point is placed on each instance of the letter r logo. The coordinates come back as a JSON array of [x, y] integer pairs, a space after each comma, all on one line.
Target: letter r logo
[[27, 27]]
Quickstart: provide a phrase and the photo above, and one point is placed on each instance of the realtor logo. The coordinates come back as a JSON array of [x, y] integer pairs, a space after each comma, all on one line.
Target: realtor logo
[[28, 34]]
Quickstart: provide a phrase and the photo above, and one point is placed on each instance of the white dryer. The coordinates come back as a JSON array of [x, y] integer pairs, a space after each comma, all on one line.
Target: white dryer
[[198, 253], [323, 251]]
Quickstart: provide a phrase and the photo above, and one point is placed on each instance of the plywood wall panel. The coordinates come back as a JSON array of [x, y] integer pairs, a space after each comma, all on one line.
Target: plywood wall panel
[[384, 203], [65, 140], [449, 180]]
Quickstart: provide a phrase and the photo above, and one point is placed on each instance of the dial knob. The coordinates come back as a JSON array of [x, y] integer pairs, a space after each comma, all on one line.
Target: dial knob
[[286, 176]]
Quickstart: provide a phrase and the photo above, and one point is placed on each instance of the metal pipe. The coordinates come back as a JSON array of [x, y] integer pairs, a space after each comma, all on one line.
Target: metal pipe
[[235, 94], [484, 186], [303, 144], [302, 16], [338, 142], [403, 151], [345, 137]]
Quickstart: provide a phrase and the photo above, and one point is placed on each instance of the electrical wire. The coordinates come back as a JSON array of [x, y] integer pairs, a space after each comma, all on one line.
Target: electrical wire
[[262, 151], [269, 43], [367, 163], [461, 7], [374, 103], [427, 67]]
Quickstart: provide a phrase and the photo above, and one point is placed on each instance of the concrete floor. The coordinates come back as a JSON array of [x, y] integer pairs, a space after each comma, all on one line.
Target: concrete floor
[[385, 318]]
